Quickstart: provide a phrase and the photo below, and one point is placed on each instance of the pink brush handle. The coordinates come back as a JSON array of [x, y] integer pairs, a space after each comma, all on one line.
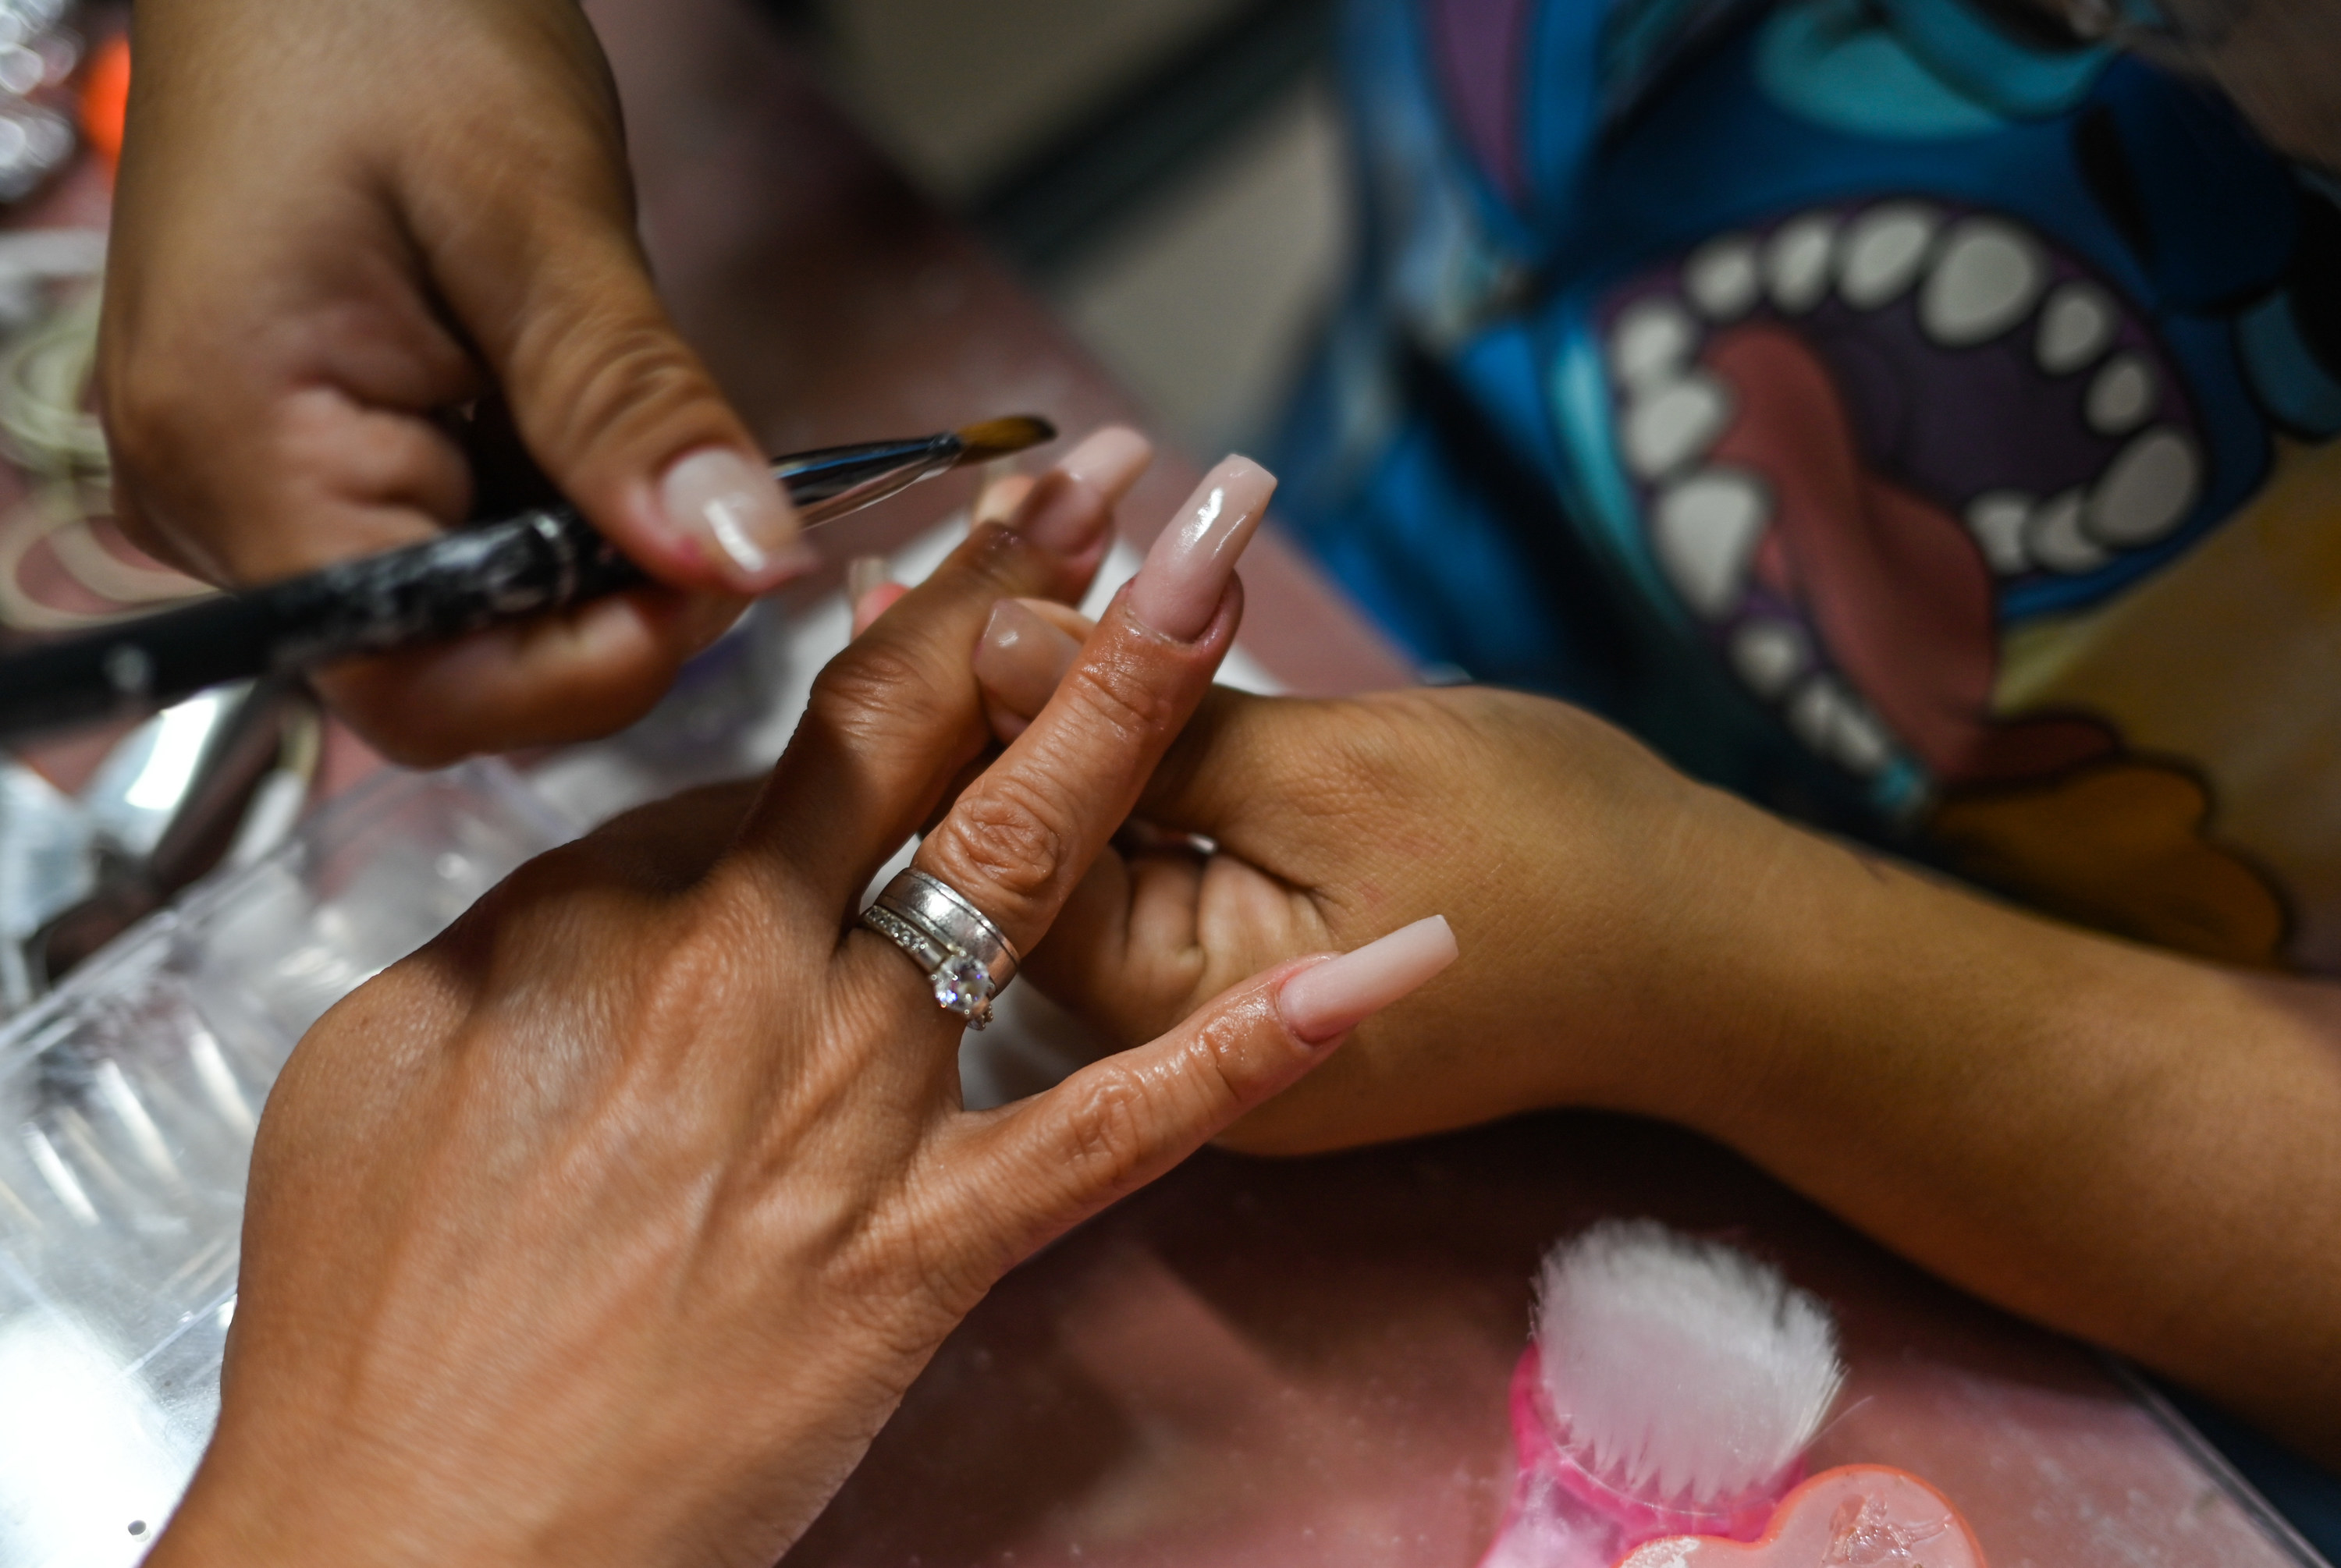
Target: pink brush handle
[[1856, 1517], [1562, 1517]]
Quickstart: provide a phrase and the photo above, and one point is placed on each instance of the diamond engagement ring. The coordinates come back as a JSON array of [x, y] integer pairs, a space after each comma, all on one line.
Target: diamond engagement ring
[[967, 959]]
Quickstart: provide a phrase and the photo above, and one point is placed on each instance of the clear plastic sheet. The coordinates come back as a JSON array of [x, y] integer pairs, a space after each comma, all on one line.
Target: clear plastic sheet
[[128, 1101], [129, 1098]]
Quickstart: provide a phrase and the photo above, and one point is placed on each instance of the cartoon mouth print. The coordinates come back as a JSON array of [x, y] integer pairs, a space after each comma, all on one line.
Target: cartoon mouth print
[[1856, 436], [1783, 395]]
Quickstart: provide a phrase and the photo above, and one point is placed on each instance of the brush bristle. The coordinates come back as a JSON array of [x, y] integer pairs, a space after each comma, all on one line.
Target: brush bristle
[[1682, 1373], [1001, 437]]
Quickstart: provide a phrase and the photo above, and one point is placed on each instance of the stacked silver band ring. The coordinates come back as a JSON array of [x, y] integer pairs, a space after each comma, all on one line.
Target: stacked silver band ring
[[967, 959]]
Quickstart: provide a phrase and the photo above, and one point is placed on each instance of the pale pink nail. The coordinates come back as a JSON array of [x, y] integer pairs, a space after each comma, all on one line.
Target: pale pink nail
[[862, 574], [1020, 658], [1000, 498], [1110, 461], [1072, 506], [1322, 1003], [731, 508], [1178, 590]]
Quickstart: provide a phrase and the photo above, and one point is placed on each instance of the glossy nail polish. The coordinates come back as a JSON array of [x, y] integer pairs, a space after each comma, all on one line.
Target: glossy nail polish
[[1110, 459], [1020, 658], [998, 499], [1072, 505], [862, 573], [1322, 1003], [1178, 590], [733, 508]]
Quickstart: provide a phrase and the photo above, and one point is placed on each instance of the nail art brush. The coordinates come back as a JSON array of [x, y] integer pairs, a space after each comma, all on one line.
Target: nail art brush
[[508, 570]]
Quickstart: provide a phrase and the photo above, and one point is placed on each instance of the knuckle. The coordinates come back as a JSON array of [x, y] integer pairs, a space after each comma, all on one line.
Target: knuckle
[[1011, 833], [875, 689], [1106, 1131], [1393, 740], [619, 375], [1116, 699]]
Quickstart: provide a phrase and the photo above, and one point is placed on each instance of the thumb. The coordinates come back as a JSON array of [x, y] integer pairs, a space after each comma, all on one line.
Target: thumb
[[615, 408], [1041, 1167]]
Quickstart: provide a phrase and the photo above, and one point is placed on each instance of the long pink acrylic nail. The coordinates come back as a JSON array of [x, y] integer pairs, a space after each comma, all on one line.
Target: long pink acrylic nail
[[1072, 506], [1178, 590], [1322, 1003]]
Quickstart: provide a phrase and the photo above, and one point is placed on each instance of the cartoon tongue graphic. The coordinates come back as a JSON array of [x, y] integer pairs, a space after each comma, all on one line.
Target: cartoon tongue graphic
[[1899, 592], [1856, 1517]]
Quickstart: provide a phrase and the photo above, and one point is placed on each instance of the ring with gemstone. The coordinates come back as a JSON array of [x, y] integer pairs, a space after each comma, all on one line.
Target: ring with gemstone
[[967, 959]]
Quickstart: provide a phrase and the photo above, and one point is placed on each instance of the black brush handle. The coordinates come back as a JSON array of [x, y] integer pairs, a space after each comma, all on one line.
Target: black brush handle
[[462, 581], [448, 586]]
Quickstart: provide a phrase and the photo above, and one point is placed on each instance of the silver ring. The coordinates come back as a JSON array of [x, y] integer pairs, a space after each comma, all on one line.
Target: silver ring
[[967, 959]]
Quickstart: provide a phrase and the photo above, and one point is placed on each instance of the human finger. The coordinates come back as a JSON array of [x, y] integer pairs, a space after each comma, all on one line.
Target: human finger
[[895, 717], [1021, 836], [1019, 662], [998, 500], [619, 411], [584, 671], [290, 316], [1048, 1162]]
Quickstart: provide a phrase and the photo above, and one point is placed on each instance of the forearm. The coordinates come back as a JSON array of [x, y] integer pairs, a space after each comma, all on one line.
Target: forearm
[[2127, 1145]]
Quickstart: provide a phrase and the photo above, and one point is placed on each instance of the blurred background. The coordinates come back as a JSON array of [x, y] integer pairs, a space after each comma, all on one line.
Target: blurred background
[[1169, 174]]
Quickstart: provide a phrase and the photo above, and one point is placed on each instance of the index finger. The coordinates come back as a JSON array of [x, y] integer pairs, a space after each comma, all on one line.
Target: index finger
[[1019, 838], [897, 715]]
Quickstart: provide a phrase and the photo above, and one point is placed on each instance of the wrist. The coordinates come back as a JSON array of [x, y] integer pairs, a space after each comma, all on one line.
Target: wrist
[[1748, 927]]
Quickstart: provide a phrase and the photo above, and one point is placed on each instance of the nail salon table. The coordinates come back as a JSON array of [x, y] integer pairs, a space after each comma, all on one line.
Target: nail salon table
[[1279, 1363]]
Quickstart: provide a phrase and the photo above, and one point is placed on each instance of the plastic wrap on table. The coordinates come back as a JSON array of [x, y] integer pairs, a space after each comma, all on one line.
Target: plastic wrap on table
[[128, 1101]]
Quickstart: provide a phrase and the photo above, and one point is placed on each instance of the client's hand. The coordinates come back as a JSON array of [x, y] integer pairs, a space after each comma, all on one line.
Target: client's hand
[[611, 1226], [2094, 1134], [1577, 869], [337, 225]]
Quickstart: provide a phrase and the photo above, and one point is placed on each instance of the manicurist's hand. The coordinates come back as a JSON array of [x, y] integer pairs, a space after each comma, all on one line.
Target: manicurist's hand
[[611, 1226], [2102, 1137], [354, 240]]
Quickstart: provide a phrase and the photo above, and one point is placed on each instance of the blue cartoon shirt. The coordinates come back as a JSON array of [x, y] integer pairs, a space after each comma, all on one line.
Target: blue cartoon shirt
[[1915, 420]]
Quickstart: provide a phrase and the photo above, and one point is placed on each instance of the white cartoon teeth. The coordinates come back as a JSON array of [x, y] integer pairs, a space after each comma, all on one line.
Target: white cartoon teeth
[[2144, 493], [1670, 425], [1705, 530], [1771, 654], [2147, 489], [1652, 344], [1833, 721], [2054, 537], [2120, 396], [2077, 325], [1988, 278], [1884, 250], [1722, 278], [1997, 519], [1797, 262], [1975, 280]]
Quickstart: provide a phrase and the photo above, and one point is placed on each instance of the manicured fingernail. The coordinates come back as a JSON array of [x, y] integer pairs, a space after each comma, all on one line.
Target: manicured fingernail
[[1110, 461], [863, 573], [1178, 590], [1020, 658], [733, 508], [997, 501], [1071, 507], [1325, 1002]]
